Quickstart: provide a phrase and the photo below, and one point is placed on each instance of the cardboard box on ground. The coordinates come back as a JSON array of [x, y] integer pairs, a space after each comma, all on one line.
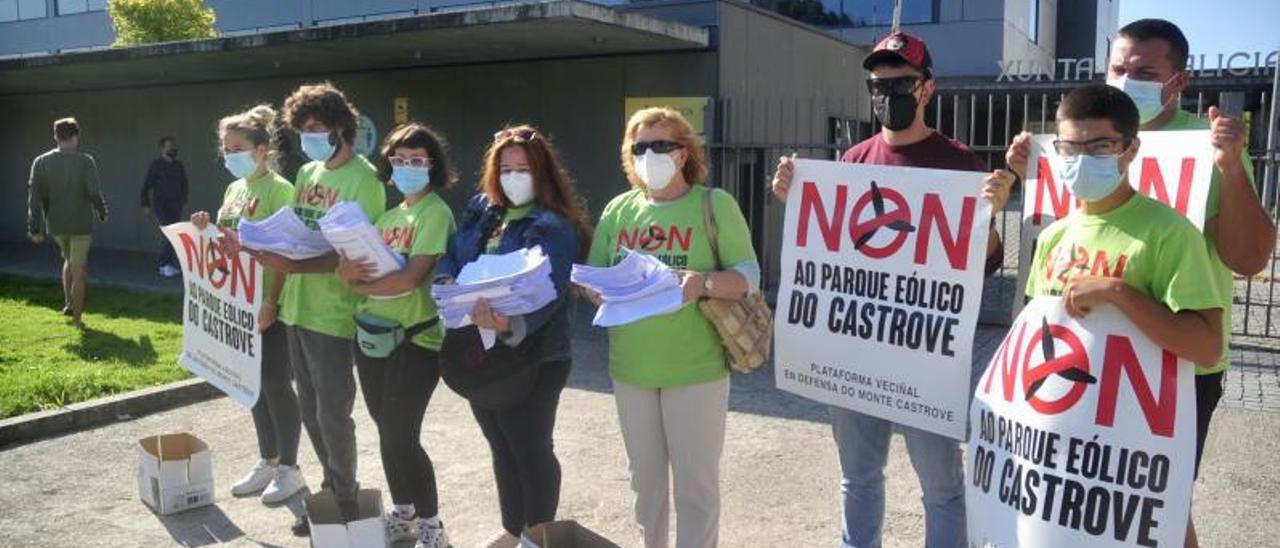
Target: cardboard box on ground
[[563, 534], [330, 530], [175, 473]]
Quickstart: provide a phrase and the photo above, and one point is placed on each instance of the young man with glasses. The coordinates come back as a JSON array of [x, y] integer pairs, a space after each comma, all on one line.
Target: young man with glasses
[[1149, 63], [1123, 248], [901, 87]]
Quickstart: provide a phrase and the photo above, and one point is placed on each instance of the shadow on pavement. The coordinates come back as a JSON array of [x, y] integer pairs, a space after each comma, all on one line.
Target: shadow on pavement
[[206, 526]]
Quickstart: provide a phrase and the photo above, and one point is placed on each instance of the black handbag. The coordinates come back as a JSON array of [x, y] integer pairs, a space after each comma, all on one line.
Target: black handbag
[[496, 378]]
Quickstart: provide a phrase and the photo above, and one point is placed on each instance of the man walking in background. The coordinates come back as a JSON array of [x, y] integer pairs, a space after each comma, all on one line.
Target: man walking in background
[[62, 194], [164, 194]]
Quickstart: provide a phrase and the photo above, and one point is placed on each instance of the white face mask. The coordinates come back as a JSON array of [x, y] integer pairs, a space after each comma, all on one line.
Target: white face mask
[[655, 170], [518, 186], [1148, 96]]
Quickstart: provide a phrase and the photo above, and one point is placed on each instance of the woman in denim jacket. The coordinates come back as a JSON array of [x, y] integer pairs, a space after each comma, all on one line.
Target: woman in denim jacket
[[526, 199]]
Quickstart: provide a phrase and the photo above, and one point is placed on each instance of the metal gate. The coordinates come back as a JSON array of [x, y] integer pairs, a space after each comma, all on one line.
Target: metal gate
[[986, 117]]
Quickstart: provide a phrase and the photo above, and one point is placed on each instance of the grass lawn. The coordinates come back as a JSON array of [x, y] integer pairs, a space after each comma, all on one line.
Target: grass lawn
[[131, 340]]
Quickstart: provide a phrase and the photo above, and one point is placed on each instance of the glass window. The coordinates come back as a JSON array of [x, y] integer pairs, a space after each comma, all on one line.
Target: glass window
[[854, 13], [68, 7], [18, 10], [8, 10]]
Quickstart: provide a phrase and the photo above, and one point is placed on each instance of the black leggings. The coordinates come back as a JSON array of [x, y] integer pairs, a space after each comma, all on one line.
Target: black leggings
[[275, 416], [524, 458], [397, 390]]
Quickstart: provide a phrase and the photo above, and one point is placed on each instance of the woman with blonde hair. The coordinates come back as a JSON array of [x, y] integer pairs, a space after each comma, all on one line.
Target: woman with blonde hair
[[257, 193], [526, 200], [670, 374]]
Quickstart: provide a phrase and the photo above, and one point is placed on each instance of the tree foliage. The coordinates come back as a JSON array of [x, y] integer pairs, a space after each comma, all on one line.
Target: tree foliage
[[150, 21]]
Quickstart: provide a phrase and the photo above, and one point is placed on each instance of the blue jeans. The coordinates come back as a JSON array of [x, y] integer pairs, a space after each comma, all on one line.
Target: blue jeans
[[862, 442]]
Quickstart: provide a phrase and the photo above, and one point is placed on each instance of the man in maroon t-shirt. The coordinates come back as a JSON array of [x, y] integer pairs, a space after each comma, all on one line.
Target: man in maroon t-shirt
[[901, 87]]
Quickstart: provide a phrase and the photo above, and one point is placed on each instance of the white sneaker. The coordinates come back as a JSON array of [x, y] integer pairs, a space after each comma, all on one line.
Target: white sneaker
[[287, 481], [169, 271], [399, 528], [431, 536], [502, 540], [256, 480]]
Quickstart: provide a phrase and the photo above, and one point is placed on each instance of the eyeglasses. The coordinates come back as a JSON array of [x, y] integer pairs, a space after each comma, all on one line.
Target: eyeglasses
[[1102, 146], [902, 85], [416, 161], [517, 134], [658, 147]]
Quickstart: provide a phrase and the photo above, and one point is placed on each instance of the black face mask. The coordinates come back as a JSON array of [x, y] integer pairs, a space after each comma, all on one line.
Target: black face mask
[[895, 112], [171, 153]]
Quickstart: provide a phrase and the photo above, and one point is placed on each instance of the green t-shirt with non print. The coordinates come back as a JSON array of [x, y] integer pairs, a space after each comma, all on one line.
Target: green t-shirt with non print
[[423, 228], [510, 215], [1143, 242], [681, 348], [320, 301], [1222, 276], [255, 200]]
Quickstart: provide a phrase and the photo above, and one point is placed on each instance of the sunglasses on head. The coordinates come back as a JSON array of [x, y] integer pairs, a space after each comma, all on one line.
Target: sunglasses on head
[[658, 147], [902, 85], [517, 134]]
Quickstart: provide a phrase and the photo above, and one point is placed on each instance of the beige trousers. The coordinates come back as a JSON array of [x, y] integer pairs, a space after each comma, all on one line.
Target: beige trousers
[[675, 432]]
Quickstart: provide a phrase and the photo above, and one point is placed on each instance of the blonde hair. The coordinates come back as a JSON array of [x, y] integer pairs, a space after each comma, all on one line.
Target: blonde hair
[[695, 164], [258, 125]]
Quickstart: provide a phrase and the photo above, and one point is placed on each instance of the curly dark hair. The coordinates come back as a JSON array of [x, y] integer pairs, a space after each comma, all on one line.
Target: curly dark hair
[[324, 103], [417, 135]]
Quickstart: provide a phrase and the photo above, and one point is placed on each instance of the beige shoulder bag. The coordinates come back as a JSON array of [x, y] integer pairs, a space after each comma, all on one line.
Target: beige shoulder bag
[[745, 325]]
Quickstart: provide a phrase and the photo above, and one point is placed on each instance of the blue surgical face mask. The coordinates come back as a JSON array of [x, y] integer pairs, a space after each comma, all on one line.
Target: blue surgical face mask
[[316, 146], [1090, 178], [1147, 96], [241, 164], [410, 179]]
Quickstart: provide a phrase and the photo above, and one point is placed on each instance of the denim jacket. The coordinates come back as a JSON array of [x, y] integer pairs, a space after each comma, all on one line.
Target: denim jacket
[[559, 240]]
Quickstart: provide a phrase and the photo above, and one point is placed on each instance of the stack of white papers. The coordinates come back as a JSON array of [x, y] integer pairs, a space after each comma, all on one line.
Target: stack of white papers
[[283, 233], [352, 235], [514, 283], [638, 287]]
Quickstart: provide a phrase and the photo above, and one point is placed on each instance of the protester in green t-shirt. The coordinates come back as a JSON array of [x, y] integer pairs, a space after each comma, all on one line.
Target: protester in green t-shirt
[[257, 193], [1123, 248], [397, 388], [62, 193], [318, 310], [1149, 63], [670, 377]]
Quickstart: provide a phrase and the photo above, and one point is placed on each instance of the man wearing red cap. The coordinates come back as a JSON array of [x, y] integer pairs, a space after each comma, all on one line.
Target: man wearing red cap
[[901, 87]]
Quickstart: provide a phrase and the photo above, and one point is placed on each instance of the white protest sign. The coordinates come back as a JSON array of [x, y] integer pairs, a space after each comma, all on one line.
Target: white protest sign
[[220, 338], [1082, 434], [1174, 167], [881, 283]]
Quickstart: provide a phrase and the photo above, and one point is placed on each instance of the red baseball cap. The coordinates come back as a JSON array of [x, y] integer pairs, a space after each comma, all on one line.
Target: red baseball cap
[[900, 47]]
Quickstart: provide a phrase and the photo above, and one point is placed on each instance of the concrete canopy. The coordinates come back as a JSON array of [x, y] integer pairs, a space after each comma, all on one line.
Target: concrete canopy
[[556, 29]]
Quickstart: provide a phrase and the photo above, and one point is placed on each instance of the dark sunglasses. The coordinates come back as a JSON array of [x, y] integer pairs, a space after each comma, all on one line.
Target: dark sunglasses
[[902, 85], [517, 134], [658, 147]]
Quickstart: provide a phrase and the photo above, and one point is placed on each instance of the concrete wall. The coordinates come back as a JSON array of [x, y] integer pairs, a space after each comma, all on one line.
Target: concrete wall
[[1018, 43], [783, 81], [578, 102]]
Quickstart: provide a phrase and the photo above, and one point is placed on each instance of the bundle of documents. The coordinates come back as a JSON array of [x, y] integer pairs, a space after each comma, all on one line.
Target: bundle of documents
[[283, 233], [513, 283], [349, 231], [638, 287]]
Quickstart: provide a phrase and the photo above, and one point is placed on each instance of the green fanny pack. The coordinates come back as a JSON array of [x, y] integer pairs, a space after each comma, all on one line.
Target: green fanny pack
[[379, 337]]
